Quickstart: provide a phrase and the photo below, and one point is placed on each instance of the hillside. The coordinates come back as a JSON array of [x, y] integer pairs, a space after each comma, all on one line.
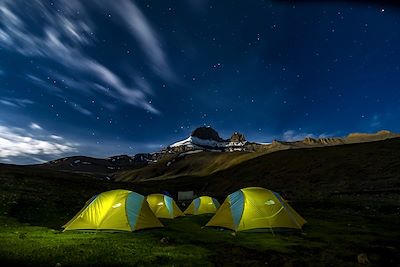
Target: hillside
[[302, 172], [204, 152], [97, 166], [196, 163], [367, 169], [349, 195]]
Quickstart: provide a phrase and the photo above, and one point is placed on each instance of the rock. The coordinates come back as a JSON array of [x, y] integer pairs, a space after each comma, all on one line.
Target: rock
[[362, 259], [237, 138], [323, 141], [164, 240], [58, 264], [206, 133], [22, 236]]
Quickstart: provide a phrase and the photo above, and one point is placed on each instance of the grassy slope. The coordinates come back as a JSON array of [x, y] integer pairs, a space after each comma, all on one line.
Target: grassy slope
[[319, 171], [301, 173], [46, 197], [208, 163], [199, 164], [90, 165]]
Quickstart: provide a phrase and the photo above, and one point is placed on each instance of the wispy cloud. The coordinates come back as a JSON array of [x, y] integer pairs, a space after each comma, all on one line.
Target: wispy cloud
[[64, 36], [56, 137], [81, 109], [375, 121], [18, 142], [292, 135], [35, 126], [15, 102], [140, 28], [43, 83]]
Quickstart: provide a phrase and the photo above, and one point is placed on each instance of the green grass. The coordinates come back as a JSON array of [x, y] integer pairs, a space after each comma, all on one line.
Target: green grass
[[35, 204], [44, 246], [335, 240], [198, 164]]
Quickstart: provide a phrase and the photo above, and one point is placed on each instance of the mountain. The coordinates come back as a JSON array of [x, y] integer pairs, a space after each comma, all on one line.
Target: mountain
[[206, 133], [197, 157], [101, 167], [206, 138], [205, 142], [369, 169], [369, 137], [334, 141], [320, 166]]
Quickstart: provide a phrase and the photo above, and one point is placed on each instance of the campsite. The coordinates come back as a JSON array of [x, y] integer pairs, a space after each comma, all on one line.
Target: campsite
[[339, 229], [216, 133]]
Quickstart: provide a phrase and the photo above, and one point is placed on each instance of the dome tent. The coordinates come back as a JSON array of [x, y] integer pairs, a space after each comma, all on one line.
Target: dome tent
[[202, 205], [163, 206], [255, 208], [119, 210]]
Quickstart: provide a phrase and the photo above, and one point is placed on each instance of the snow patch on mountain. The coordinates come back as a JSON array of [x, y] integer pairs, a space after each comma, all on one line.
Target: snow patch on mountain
[[198, 143], [195, 142]]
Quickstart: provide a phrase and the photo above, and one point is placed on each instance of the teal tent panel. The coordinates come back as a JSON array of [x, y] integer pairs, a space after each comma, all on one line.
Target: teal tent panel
[[133, 207], [196, 203], [169, 204], [237, 204], [216, 203]]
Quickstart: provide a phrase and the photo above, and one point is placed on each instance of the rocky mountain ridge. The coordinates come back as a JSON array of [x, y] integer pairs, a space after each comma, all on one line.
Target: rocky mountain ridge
[[203, 139]]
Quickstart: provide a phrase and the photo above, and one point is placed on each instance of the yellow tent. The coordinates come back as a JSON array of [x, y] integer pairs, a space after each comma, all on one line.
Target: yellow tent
[[254, 208], [163, 206], [120, 210], [202, 205]]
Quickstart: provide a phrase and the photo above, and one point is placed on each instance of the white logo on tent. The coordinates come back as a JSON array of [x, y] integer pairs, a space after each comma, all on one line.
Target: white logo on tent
[[117, 205], [269, 202]]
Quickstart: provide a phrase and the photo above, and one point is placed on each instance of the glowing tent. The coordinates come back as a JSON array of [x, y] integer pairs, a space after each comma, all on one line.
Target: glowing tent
[[163, 206], [254, 208], [120, 210], [202, 205]]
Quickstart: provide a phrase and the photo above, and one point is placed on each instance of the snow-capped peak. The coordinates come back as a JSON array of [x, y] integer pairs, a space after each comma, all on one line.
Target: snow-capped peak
[[206, 138]]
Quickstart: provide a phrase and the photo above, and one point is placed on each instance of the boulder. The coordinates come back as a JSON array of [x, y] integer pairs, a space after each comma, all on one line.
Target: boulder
[[206, 133]]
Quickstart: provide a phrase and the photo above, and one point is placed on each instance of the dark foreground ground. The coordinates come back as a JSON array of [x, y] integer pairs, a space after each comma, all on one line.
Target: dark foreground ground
[[34, 204], [336, 233]]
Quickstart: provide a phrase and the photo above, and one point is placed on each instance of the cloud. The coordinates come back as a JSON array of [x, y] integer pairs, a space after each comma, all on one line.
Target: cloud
[[17, 142], [81, 109], [145, 35], [63, 38], [292, 135], [43, 83], [375, 121], [35, 126], [56, 137], [5, 38], [15, 102]]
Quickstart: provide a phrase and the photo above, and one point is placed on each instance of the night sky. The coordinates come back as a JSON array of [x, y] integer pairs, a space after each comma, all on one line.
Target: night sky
[[101, 78]]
